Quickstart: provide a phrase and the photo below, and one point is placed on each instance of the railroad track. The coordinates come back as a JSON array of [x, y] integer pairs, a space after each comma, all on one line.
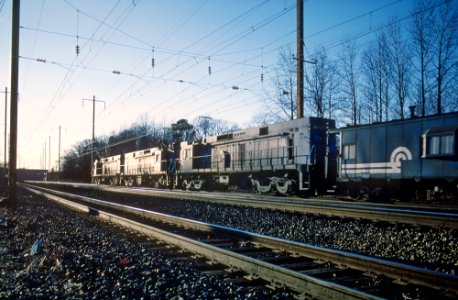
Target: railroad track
[[310, 271], [372, 212]]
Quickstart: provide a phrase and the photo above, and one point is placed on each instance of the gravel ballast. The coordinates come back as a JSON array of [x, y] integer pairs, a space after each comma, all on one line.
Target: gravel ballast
[[50, 253]]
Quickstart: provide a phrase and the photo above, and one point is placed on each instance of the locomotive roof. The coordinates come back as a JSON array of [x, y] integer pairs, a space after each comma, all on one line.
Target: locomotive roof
[[270, 129]]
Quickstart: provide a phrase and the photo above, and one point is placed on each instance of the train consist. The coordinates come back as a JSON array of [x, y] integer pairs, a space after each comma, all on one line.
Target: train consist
[[415, 158], [285, 157]]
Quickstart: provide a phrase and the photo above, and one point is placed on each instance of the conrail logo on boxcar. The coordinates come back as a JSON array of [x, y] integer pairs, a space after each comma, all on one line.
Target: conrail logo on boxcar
[[392, 167]]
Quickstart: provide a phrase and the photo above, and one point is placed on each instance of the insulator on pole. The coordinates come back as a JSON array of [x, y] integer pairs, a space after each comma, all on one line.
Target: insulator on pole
[[209, 67], [153, 62]]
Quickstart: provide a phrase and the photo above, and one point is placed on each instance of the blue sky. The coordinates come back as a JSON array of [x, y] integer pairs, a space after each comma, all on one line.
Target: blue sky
[[238, 40]]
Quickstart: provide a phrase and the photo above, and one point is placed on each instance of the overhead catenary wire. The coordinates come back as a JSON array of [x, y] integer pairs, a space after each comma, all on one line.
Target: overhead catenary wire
[[391, 4], [73, 68], [142, 76], [70, 70], [34, 43], [151, 79], [102, 22], [374, 29], [2, 3], [138, 77]]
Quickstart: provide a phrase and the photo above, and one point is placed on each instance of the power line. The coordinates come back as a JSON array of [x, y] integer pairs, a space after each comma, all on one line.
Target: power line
[[160, 50], [69, 71], [2, 2], [93, 126], [153, 78]]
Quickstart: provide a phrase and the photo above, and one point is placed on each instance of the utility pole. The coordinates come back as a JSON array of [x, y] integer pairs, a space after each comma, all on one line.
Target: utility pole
[[14, 102], [300, 60], [93, 127], [51, 163], [58, 159], [6, 128], [4, 174], [49, 155]]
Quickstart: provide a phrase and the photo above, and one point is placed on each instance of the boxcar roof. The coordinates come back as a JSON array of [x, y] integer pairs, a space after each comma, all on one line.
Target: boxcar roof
[[398, 121]]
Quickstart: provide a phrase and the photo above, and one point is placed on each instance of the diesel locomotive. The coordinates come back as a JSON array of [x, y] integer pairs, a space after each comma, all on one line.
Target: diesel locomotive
[[295, 156], [414, 158]]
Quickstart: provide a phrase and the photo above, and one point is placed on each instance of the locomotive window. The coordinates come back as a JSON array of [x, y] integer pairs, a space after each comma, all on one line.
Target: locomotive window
[[187, 153], [440, 144], [241, 154], [290, 148], [227, 136], [264, 131], [349, 151]]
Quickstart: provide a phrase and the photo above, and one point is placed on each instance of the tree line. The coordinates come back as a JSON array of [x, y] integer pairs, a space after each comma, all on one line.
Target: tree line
[[143, 134], [411, 65]]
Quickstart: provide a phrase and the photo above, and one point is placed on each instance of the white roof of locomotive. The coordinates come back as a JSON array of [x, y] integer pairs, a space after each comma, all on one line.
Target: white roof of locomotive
[[282, 128]]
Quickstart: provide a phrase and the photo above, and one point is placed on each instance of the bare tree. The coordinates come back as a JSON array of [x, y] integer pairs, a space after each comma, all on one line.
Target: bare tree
[[348, 72], [369, 67], [383, 68], [419, 31], [376, 62], [284, 84], [444, 52], [319, 84], [264, 118], [400, 60], [206, 126]]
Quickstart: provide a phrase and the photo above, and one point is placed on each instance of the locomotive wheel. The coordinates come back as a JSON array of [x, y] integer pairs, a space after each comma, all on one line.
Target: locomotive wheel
[[129, 182], [283, 187], [262, 188], [184, 184]]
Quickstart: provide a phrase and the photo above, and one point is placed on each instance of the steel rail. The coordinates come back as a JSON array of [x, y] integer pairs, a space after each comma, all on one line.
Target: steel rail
[[396, 271], [356, 211], [304, 284]]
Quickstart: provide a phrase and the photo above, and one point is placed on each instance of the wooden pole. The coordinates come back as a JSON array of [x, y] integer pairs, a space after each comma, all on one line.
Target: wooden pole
[[300, 60], [14, 102]]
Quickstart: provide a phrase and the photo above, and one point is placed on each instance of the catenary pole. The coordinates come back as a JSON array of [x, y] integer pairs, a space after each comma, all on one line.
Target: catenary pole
[[49, 154], [93, 127], [6, 128], [5, 131], [14, 102], [300, 60], [4, 174], [58, 157]]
